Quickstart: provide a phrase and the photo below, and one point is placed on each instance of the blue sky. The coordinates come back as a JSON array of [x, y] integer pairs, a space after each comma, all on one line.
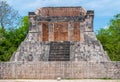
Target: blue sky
[[104, 9]]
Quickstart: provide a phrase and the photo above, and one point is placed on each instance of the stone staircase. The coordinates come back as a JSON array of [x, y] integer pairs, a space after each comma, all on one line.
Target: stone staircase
[[59, 51]]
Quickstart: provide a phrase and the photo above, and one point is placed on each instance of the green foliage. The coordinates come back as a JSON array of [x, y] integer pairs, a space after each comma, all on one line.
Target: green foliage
[[110, 38], [11, 39]]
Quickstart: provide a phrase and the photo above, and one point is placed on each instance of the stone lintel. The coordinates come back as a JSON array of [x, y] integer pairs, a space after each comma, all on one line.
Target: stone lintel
[[61, 18]]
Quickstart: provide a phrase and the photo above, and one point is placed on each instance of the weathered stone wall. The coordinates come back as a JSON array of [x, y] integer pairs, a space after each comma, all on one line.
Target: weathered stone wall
[[52, 70], [88, 51], [76, 21], [73, 24], [85, 57], [32, 51], [61, 11], [79, 51]]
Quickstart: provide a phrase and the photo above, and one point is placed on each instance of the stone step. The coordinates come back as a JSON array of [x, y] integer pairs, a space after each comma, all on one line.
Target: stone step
[[59, 51]]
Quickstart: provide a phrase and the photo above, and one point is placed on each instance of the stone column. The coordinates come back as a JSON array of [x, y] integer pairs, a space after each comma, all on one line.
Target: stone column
[[89, 20], [79, 30], [32, 23], [70, 31], [40, 32], [51, 31], [82, 28]]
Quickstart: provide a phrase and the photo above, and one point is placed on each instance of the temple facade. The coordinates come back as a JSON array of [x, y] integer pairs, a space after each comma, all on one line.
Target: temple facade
[[60, 43], [61, 34], [61, 23]]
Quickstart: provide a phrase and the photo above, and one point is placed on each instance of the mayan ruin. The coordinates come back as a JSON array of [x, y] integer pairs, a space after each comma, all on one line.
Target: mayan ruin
[[60, 43]]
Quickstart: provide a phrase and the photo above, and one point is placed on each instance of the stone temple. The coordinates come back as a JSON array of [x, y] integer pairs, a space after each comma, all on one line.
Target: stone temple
[[61, 34], [60, 43]]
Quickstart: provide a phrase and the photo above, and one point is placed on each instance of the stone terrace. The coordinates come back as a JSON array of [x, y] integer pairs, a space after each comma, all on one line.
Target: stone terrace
[[55, 69]]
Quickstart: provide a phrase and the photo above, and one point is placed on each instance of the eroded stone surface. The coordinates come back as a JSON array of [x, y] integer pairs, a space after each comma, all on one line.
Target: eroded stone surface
[[63, 69], [88, 80], [60, 43], [72, 24]]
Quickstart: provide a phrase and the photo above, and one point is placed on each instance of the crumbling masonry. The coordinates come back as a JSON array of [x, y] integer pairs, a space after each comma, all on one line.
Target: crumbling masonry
[[60, 43], [61, 34]]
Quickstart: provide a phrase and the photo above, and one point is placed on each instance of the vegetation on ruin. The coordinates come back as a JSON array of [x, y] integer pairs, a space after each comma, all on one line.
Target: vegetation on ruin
[[110, 38]]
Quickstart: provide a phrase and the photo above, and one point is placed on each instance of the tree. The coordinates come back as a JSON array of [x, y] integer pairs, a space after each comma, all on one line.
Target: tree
[[10, 39], [110, 38], [8, 16]]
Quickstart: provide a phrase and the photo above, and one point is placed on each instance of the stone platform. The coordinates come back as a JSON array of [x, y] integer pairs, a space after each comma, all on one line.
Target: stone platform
[[60, 43], [85, 80], [61, 34], [62, 69]]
